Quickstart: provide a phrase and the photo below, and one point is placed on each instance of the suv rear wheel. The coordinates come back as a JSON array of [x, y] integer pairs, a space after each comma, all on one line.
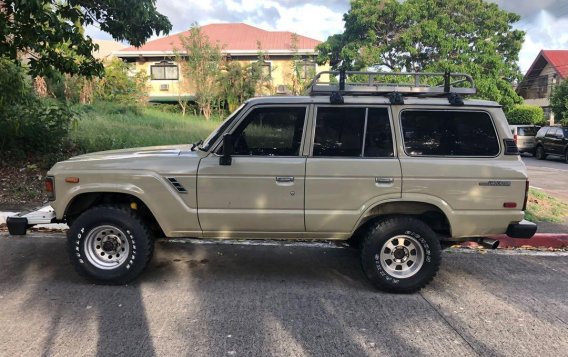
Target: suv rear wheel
[[540, 154], [400, 254], [566, 156], [109, 244]]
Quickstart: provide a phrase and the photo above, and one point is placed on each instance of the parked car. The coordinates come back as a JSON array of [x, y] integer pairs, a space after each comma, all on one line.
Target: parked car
[[524, 137], [399, 173], [552, 140]]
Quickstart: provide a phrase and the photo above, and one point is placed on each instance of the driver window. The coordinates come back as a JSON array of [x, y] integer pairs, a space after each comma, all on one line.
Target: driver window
[[270, 132]]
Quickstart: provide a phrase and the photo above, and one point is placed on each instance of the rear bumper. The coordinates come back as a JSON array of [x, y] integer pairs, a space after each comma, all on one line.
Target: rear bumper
[[523, 229]]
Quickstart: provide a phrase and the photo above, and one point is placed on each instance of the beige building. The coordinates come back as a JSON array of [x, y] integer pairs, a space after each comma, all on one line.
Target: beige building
[[548, 70], [239, 42]]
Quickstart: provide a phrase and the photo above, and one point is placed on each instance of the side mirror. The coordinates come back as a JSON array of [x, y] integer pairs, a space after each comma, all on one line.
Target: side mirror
[[228, 149]]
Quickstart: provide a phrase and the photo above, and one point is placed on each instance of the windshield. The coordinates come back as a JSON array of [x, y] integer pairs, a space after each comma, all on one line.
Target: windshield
[[212, 138]]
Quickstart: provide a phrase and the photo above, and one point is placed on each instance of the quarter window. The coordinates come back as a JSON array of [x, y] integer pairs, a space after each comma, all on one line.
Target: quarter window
[[449, 133], [164, 70], [271, 132]]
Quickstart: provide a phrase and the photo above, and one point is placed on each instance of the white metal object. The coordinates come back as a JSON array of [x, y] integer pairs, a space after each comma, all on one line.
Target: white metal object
[[43, 215]]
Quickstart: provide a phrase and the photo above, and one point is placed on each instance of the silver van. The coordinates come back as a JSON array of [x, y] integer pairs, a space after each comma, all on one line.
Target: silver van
[[524, 137]]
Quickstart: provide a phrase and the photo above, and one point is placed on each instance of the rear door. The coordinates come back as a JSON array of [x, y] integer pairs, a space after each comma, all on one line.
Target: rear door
[[352, 164]]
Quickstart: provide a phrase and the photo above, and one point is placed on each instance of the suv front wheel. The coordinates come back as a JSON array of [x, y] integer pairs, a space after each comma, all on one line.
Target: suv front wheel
[[109, 244], [400, 254]]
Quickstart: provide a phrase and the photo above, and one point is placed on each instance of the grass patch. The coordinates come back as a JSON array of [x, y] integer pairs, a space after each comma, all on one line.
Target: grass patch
[[542, 207], [107, 126]]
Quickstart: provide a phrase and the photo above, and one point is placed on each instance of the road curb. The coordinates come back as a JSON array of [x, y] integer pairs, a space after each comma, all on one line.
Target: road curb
[[539, 240]]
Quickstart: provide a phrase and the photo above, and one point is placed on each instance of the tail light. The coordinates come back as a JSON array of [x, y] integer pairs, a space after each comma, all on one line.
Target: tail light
[[515, 138], [50, 187], [526, 195]]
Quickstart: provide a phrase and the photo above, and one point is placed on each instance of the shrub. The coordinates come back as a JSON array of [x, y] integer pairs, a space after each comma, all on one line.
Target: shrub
[[523, 114], [119, 86], [29, 125]]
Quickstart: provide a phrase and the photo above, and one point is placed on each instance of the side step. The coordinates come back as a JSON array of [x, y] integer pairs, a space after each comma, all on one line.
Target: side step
[[18, 224]]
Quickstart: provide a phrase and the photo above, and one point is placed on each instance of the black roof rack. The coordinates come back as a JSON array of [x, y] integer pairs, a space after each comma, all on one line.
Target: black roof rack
[[388, 83]]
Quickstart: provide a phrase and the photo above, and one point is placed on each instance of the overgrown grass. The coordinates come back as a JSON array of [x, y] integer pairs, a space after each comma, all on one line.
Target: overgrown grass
[[544, 208], [108, 126]]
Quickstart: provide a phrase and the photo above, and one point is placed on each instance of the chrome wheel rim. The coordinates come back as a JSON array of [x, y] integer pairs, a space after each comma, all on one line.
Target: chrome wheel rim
[[402, 256], [106, 247]]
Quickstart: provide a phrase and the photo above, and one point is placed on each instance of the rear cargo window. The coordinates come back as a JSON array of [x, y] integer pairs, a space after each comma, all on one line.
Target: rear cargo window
[[527, 130], [449, 133]]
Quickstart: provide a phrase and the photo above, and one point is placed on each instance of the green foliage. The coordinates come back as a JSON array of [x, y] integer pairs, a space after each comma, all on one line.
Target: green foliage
[[523, 114], [29, 125], [240, 82], [119, 86], [201, 61], [474, 37], [51, 32], [104, 126], [559, 103], [298, 79]]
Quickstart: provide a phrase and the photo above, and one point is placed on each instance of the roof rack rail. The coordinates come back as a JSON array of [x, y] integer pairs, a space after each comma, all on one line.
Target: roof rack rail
[[406, 83]]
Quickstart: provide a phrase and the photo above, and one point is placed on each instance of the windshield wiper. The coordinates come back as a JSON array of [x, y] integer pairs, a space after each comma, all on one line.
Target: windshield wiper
[[196, 145]]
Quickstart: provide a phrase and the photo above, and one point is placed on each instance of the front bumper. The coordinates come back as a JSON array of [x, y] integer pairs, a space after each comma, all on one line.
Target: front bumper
[[18, 224], [523, 229]]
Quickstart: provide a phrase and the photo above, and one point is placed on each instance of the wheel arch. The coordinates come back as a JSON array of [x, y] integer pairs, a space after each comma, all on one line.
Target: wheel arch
[[436, 217], [83, 201]]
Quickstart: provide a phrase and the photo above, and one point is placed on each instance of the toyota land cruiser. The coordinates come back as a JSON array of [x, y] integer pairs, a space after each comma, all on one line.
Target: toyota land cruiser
[[397, 168]]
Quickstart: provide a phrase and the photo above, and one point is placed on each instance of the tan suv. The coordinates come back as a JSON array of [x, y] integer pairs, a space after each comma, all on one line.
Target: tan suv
[[398, 169]]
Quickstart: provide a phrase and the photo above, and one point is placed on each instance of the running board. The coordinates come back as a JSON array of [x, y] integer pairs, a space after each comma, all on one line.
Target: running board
[[19, 223]]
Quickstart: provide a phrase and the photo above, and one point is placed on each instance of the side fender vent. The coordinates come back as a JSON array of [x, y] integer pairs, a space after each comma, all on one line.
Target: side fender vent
[[178, 186]]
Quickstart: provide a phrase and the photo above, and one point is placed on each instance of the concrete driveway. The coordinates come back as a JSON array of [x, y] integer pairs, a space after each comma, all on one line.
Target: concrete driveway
[[234, 300]]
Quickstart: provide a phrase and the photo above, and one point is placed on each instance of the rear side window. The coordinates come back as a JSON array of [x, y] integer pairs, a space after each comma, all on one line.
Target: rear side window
[[339, 131], [353, 132], [449, 133]]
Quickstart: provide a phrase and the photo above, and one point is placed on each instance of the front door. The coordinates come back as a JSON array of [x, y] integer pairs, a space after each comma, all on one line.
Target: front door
[[262, 191]]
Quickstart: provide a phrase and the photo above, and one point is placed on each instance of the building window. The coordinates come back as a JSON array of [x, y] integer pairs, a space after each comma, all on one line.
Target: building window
[[266, 71], [164, 71], [306, 69]]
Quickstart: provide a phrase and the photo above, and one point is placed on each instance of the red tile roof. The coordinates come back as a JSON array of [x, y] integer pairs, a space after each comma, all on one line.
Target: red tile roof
[[557, 59], [233, 37]]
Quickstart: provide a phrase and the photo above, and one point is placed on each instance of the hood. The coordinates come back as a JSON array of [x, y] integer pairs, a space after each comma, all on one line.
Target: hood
[[168, 150]]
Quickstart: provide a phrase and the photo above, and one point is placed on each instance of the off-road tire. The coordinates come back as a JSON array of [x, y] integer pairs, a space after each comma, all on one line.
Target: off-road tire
[[539, 153], [384, 231], [135, 233]]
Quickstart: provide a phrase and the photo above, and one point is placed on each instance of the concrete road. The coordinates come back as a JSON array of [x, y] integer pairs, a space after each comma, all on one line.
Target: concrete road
[[550, 175], [235, 300]]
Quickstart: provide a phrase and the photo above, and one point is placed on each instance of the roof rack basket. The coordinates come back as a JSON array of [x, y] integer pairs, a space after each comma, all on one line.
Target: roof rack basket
[[384, 83]]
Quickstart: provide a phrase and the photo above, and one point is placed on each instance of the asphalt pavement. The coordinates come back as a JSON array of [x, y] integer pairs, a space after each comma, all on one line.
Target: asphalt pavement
[[260, 300]]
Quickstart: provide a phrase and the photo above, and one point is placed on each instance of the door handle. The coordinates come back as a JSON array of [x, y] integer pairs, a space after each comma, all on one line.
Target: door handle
[[284, 179], [384, 180]]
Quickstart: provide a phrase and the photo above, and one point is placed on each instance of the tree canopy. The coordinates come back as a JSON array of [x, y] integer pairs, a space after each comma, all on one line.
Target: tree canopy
[[50, 33], [471, 36], [559, 103]]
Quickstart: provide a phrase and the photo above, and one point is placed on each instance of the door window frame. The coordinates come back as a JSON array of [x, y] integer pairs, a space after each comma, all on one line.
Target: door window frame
[[217, 147], [362, 156]]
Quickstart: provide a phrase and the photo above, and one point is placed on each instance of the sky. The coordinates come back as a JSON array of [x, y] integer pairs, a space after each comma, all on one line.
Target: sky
[[545, 21]]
